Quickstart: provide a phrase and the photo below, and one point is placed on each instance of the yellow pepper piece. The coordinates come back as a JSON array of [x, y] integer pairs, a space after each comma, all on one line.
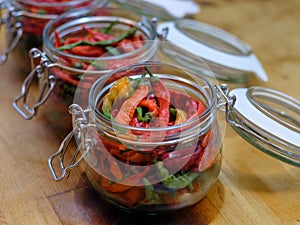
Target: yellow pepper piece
[[181, 116], [114, 91]]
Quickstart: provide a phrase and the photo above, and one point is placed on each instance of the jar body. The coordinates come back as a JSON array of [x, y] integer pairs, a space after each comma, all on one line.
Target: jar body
[[33, 17], [160, 170], [136, 198], [69, 69]]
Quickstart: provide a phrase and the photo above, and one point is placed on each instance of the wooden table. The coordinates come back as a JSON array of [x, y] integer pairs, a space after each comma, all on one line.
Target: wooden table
[[253, 188]]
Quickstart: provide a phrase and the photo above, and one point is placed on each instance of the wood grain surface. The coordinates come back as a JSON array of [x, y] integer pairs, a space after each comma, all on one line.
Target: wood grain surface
[[253, 188]]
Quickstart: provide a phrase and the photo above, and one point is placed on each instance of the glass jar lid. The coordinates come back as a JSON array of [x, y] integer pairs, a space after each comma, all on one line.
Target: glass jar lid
[[228, 57], [166, 9], [269, 120]]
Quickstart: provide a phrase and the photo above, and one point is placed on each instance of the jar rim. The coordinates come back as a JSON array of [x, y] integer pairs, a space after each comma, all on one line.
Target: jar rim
[[210, 108], [47, 32], [22, 6], [50, 4]]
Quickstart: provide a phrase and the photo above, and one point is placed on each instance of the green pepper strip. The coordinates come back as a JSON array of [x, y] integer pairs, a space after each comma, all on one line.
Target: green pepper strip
[[106, 29], [128, 33], [173, 112], [151, 195], [180, 180], [112, 50], [148, 116]]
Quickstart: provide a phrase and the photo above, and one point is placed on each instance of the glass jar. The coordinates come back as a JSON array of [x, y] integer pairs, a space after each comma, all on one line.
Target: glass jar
[[155, 169], [25, 21], [158, 169], [60, 70]]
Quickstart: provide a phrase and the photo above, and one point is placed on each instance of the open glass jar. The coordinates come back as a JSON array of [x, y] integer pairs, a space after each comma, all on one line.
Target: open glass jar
[[62, 63], [152, 168], [25, 21], [162, 168]]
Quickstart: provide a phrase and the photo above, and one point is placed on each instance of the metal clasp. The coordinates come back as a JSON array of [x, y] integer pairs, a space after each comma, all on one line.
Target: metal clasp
[[164, 33], [14, 27], [79, 132], [46, 81], [224, 101]]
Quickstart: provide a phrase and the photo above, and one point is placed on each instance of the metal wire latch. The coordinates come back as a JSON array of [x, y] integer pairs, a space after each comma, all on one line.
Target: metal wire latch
[[80, 131], [46, 84], [14, 27]]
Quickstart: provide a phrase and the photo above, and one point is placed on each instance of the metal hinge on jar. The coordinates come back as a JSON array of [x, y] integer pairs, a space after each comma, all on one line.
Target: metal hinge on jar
[[224, 101], [41, 71], [80, 132]]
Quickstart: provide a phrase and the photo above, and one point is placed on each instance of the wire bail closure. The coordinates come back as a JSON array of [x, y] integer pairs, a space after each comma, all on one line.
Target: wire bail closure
[[15, 27], [46, 80], [80, 131]]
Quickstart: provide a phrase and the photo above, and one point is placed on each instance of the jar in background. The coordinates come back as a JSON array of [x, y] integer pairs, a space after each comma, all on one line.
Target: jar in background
[[61, 69], [152, 169], [25, 21]]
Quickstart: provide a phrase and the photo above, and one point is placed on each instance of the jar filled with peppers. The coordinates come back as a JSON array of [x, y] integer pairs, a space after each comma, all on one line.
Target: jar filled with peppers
[[149, 138], [25, 21], [90, 41]]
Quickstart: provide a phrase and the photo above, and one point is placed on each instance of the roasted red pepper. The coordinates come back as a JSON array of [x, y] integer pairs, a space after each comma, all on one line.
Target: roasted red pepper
[[162, 95], [127, 110]]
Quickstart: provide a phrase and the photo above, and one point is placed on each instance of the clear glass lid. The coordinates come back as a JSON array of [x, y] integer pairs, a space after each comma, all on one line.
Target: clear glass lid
[[269, 120], [228, 57], [165, 10]]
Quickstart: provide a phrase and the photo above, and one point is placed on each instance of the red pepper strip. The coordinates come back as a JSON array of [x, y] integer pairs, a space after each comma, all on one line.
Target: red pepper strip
[[184, 102], [177, 159], [32, 27], [126, 45], [132, 196], [136, 123], [210, 154], [194, 161], [57, 40], [151, 105], [113, 187], [200, 110], [132, 180], [114, 168], [98, 36], [137, 41], [127, 109], [140, 158], [205, 139], [71, 40], [162, 95], [88, 51], [59, 73], [195, 110]]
